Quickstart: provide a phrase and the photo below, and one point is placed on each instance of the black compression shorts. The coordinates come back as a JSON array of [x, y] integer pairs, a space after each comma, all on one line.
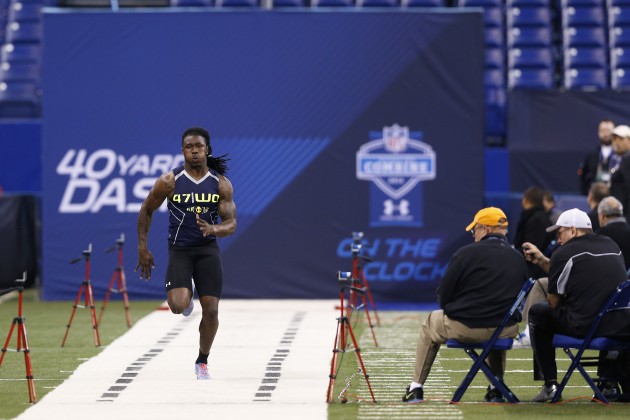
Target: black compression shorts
[[201, 263]]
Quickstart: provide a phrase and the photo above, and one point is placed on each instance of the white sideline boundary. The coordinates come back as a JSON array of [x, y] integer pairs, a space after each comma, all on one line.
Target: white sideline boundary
[[270, 359]]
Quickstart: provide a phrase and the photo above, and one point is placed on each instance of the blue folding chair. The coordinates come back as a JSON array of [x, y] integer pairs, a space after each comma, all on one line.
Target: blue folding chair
[[494, 343], [618, 301]]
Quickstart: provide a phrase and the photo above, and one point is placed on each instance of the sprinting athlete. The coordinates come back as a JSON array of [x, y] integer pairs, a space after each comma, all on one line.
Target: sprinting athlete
[[201, 208]]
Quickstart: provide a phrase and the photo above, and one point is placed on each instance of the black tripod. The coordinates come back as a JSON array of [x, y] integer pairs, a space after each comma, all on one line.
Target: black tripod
[[89, 298], [118, 282], [340, 346], [22, 340]]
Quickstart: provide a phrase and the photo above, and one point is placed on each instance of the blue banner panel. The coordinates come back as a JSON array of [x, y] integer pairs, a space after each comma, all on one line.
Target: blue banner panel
[[334, 122]]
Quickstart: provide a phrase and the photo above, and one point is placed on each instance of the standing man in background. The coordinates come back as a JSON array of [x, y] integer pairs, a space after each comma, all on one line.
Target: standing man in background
[[620, 174], [596, 165], [198, 195]]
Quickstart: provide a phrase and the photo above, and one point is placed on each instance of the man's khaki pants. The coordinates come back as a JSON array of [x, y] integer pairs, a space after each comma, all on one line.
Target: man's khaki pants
[[438, 328]]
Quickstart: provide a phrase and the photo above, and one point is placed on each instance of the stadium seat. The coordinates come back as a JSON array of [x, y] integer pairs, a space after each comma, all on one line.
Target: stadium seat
[[619, 16], [530, 57], [25, 12], [494, 37], [494, 78], [620, 78], [530, 78], [378, 3], [594, 57], [528, 3], [19, 92], [619, 36], [495, 58], [494, 343], [21, 52], [289, 3], [238, 3], [19, 71], [333, 3], [585, 78], [574, 3], [619, 304], [423, 3], [24, 32], [620, 57], [528, 16], [495, 111], [479, 3], [493, 17], [583, 37], [529, 37], [192, 3], [583, 16]]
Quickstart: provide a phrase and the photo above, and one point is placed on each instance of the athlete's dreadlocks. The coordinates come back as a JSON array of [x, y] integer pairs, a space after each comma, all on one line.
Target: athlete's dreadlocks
[[218, 163]]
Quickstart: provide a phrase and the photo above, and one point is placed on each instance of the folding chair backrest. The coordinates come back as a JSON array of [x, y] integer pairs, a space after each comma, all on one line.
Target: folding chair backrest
[[618, 301]]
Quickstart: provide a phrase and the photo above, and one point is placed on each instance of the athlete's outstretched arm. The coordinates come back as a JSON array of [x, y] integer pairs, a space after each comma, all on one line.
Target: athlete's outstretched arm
[[227, 212], [163, 187]]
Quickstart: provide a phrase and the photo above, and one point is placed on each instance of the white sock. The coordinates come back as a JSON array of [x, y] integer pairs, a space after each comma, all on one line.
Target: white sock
[[414, 385]]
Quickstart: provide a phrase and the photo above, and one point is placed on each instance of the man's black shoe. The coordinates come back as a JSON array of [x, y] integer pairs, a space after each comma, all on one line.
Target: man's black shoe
[[494, 395], [416, 395], [610, 390]]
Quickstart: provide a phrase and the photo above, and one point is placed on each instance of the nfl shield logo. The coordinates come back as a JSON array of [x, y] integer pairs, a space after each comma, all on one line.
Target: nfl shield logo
[[396, 161], [395, 138]]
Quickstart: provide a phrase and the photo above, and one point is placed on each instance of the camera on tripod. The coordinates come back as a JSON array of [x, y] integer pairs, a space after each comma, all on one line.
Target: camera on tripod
[[344, 275], [20, 282], [357, 236]]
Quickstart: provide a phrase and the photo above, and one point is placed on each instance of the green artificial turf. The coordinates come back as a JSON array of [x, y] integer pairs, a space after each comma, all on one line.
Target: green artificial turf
[[390, 368]]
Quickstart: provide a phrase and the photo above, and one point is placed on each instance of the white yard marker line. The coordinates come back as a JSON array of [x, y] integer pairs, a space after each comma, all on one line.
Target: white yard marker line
[[149, 371]]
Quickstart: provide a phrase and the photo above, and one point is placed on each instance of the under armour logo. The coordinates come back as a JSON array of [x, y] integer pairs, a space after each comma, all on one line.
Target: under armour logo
[[168, 284], [389, 207]]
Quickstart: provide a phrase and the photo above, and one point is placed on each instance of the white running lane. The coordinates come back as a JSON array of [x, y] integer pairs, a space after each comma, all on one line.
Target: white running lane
[[270, 360]]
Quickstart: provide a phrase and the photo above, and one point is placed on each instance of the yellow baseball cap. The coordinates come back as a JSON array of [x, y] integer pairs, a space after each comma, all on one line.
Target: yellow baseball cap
[[490, 216]]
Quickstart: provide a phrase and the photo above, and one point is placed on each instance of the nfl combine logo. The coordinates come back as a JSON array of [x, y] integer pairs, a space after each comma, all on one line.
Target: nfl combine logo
[[395, 161]]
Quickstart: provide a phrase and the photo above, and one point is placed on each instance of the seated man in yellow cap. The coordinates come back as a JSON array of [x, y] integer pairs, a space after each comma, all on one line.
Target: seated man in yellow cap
[[478, 287]]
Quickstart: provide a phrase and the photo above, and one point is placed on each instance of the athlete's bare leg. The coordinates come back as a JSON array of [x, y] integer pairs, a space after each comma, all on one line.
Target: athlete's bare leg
[[178, 299], [209, 322]]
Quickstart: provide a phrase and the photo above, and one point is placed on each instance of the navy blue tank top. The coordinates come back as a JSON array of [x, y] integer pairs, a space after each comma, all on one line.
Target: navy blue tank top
[[192, 197]]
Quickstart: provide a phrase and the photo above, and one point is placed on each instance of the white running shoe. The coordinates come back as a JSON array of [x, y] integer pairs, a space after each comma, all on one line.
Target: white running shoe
[[191, 305], [201, 370], [522, 341]]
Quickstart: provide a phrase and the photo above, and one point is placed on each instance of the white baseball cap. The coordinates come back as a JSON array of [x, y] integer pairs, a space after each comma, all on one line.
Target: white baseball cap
[[572, 218], [622, 131]]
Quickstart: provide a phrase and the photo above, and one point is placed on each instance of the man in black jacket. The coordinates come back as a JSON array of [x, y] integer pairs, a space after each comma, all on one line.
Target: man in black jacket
[[614, 225], [620, 174], [583, 273], [598, 163], [478, 287]]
